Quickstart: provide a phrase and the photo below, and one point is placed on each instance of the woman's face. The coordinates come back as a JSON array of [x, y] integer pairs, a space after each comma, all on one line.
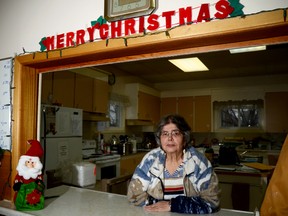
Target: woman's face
[[172, 139]]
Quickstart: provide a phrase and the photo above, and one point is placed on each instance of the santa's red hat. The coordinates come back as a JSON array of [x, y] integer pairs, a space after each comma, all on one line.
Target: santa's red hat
[[35, 149]]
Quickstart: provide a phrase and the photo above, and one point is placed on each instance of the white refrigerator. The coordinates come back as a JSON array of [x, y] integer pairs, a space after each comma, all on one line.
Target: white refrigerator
[[61, 139]]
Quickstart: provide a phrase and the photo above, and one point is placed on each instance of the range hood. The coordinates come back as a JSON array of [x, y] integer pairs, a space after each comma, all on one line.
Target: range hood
[[138, 122], [94, 117]]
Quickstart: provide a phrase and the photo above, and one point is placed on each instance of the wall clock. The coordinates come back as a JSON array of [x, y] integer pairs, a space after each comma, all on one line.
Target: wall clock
[[123, 9], [111, 79]]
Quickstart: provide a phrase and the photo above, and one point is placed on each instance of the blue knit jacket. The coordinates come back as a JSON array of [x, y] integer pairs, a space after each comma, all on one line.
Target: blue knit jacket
[[200, 183]]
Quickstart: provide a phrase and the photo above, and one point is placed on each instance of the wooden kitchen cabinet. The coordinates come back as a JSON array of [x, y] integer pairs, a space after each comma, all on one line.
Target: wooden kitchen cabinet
[[100, 96], [76, 90], [154, 108], [276, 105], [91, 95], [129, 163], [47, 88], [83, 92], [58, 88], [202, 114], [148, 107], [179, 105], [186, 109], [144, 103], [63, 88], [168, 106], [195, 109]]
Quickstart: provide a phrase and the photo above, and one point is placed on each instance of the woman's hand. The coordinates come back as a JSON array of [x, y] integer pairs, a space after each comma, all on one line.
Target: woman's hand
[[162, 206]]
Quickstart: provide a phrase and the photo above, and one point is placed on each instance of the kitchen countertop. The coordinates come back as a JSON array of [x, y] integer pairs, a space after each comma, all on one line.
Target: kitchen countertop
[[78, 201], [242, 171]]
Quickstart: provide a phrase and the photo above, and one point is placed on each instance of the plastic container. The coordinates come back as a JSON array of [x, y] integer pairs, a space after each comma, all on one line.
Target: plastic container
[[84, 174]]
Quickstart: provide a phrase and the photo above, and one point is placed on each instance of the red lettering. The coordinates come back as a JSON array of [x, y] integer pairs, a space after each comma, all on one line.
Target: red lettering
[[60, 41], [204, 13], [113, 30], [224, 9], [168, 17], [153, 22], [129, 26], [141, 24], [69, 39], [91, 33], [116, 29], [49, 43], [185, 15], [97, 26], [80, 37], [104, 31]]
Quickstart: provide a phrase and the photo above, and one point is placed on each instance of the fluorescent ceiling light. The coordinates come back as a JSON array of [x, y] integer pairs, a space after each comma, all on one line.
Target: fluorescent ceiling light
[[247, 49], [189, 64]]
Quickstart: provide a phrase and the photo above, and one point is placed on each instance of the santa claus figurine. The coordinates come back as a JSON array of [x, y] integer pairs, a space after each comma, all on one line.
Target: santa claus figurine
[[28, 183]]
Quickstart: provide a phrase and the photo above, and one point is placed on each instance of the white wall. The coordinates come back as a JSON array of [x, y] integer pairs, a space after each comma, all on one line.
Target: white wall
[[24, 23]]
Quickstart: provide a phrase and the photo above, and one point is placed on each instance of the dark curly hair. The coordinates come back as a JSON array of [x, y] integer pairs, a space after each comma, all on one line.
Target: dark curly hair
[[181, 124]]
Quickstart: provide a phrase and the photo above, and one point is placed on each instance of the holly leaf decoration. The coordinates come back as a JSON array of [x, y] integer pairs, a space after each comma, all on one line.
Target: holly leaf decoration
[[42, 45], [99, 21], [237, 8]]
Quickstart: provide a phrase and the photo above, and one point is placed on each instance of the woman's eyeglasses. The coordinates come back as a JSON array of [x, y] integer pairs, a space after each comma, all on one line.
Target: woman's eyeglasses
[[173, 133]]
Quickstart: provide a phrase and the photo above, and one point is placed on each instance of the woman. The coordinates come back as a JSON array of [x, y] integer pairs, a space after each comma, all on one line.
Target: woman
[[174, 177]]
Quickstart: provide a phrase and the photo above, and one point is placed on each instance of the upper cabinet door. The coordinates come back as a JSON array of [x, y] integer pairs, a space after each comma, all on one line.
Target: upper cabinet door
[[63, 88], [154, 109], [100, 96], [195, 109], [84, 93], [168, 106], [47, 88], [144, 102], [186, 109], [202, 113], [276, 105], [148, 107]]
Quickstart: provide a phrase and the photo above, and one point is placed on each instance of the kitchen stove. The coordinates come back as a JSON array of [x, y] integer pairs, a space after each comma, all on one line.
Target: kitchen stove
[[107, 165], [100, 158]]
